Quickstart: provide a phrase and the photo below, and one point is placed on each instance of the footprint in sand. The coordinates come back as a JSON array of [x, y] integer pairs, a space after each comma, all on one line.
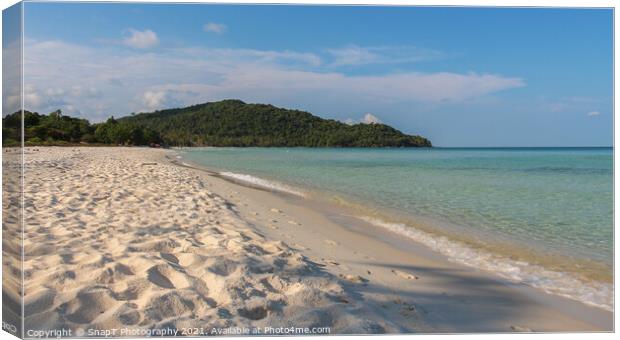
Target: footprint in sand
[[277, 211], [331, 243], [404, 275], [332, 262], [294, 223], [353, 278]]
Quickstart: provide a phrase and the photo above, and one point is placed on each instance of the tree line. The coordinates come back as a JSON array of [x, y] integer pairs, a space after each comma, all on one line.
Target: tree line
[[58, 129], [223, 123]]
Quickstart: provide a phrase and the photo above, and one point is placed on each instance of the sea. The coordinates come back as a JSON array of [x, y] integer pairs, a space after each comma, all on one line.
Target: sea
[[537, 216]]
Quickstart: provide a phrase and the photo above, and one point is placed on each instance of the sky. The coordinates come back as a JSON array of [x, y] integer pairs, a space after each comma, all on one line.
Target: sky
[[459, 76]]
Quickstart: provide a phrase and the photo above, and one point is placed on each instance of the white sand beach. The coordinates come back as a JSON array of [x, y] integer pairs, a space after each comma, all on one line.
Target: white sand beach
[[126, 238]]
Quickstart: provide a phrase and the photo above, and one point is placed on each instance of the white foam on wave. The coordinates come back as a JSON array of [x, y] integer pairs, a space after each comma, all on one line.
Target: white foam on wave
[[260, 182], [592, 293]]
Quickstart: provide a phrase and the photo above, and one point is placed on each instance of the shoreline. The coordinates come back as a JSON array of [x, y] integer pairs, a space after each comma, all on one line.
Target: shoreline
[[509, 259], [121, 238], [125, 238], [570, 308]]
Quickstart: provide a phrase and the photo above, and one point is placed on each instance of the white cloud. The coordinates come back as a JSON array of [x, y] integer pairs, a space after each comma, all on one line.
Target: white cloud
[[155, 100], [353, 55], [213, 27], [184, 76], [252, 55], [54, 91], [571, 104], [267, 82], [11, 103], [370, 119], [141, 39], [593, 113], [78, 91], [11, 77], [32, 97]]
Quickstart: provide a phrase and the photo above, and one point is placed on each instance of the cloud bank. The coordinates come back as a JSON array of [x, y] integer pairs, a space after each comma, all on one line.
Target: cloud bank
[[353, 55], [369, 118], [97, 82], [141, 39]]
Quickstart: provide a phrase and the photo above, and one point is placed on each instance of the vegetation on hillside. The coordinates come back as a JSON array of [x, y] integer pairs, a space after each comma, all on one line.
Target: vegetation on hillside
[[223, 123], [235, 123], [57, 129]]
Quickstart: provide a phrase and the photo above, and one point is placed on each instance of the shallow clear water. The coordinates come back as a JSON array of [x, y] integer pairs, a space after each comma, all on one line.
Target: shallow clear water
[[553, 202]]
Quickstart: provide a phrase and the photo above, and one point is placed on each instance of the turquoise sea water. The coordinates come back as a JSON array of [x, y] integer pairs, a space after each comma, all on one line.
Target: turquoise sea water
[[543, 216]]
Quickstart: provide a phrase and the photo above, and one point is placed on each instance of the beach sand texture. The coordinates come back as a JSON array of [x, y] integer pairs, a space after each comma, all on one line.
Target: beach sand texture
[[115, 238], [125, 238], [11, 239]]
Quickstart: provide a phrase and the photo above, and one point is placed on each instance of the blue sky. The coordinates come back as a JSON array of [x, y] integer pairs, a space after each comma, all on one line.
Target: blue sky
[[460, 76]]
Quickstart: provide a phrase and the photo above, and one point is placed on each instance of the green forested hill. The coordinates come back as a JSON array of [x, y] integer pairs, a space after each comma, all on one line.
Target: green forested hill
[[223, 123], [58, 129], [235, 123]]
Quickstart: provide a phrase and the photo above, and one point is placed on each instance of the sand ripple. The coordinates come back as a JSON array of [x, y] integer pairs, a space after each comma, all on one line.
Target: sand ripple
[[117, 238]]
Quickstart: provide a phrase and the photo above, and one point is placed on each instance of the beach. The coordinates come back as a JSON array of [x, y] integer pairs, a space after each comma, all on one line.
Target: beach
[[133, 238]]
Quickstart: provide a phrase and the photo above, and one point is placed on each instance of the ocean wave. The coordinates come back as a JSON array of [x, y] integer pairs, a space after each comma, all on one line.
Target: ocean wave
[[266, 184], [593, 293]]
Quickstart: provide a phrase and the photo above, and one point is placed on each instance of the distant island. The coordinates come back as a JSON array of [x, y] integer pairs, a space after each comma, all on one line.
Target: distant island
[[222, 123]]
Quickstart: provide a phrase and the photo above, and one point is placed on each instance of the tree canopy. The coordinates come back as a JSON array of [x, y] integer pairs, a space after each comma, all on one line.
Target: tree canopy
[[223, 123], [57, 129], [235, 123]]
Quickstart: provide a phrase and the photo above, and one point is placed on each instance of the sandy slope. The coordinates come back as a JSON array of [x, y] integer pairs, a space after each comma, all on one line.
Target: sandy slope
[[404, 281], [11, 240], [122, 237], [115, 238]]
